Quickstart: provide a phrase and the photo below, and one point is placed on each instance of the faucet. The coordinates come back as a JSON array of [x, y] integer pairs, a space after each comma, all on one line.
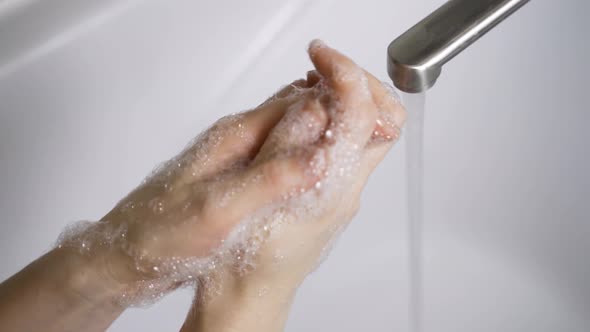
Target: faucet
[[415, 59]]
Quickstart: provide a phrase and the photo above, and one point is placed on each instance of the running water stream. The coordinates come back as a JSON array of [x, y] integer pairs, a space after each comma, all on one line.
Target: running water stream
[[414, 134]]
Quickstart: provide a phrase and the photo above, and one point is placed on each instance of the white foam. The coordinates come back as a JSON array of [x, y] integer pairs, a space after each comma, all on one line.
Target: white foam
[[335, 162]]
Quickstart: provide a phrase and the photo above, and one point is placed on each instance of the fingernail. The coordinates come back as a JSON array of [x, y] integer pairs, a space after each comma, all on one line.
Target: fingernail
[[316, 44]]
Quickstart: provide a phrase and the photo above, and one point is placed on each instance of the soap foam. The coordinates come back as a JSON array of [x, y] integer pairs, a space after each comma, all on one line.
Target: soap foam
[[335, 162]]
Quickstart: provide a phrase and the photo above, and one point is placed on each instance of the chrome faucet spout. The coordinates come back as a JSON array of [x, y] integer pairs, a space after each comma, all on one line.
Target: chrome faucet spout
[[416, 58]]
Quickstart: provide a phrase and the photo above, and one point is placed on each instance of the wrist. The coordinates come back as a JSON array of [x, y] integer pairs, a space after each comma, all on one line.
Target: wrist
[[240, 304], [101, 279], [101, 265]]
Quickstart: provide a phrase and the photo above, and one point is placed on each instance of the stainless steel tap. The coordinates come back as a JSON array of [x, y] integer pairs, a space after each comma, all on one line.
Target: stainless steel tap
[[415, 59]]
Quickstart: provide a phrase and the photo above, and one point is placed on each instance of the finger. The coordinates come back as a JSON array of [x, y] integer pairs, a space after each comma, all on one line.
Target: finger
[[392, 114], [377, 150], [302, 126], [235, 138], [392, 117], [348, 82], [290, 89], [246, 140], [267, 182], [313, 78]]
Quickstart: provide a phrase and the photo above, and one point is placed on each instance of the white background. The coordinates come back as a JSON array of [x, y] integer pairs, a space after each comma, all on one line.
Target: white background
[[94, 93]]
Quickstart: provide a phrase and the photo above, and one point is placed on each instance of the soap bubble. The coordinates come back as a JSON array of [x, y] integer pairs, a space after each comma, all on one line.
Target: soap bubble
[[335, 162]]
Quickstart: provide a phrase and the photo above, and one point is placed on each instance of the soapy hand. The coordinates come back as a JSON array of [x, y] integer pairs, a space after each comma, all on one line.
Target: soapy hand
[[343, 121], [342, 124], [244, 213], [259, 196]]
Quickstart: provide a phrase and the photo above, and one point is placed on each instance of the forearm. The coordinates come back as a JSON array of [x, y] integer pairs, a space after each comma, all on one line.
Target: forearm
[[61, 291]]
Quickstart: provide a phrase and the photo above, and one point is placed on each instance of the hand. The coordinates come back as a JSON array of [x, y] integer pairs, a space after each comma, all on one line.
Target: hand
[[245, 193], [343, 124], [161, 233], [243, 213]]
